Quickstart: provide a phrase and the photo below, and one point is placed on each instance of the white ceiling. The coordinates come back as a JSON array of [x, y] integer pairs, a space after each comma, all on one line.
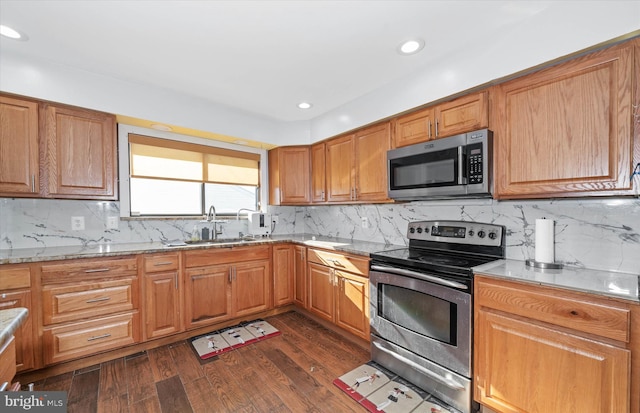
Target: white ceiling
[[263, 57]]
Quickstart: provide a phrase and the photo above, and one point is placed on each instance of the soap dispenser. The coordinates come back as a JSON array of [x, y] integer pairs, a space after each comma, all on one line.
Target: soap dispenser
[[195, 234]]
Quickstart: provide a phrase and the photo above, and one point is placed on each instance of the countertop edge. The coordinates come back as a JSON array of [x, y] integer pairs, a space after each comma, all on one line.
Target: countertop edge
[[10, 320]]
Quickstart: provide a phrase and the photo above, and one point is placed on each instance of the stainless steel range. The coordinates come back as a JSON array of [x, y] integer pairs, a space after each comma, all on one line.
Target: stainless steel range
[[421, 305]]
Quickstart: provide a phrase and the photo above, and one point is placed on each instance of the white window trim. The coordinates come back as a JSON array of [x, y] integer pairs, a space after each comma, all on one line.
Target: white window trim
[[124, 167]]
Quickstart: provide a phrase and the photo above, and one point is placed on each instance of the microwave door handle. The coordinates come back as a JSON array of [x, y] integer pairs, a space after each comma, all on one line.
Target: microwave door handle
[[449, 382], [419, 275], [461, 178]]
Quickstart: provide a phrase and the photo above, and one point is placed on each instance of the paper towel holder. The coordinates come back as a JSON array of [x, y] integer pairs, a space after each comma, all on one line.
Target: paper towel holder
[[544, 265]]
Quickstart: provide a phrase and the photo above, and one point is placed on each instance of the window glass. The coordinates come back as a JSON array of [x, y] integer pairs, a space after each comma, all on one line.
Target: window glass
[[228, 199], [161, 197]]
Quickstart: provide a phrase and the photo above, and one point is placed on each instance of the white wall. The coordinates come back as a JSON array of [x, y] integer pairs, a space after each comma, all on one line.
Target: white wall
[[518, 47]]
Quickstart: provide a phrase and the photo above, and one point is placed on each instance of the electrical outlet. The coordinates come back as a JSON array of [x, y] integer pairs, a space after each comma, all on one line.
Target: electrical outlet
[[274, 218], [365, 222], [112, 222], [77, 223]]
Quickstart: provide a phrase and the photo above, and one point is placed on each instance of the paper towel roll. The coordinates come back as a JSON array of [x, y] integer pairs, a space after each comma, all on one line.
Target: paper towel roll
[[544, 241]]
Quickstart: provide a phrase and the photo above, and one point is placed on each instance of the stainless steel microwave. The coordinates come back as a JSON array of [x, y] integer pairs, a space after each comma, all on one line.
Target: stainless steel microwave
[[457, 166]]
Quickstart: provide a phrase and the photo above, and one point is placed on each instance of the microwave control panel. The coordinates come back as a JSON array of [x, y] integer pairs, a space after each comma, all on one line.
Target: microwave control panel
[[474, 163]]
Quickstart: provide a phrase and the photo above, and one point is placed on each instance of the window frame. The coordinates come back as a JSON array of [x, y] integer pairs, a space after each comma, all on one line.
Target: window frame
[[124, 167]]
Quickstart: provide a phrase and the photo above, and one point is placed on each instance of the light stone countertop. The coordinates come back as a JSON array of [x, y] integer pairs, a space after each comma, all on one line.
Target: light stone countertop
[[10, 320], [604, 283], [26, 255]]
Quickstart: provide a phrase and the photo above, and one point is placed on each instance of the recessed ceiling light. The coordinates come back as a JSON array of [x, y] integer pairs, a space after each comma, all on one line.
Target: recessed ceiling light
[[411, 46], [304, 105], [10, 33], [158, 126]]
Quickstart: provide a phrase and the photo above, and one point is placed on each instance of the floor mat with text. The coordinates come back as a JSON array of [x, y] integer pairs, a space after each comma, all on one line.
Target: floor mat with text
[[229, 338]]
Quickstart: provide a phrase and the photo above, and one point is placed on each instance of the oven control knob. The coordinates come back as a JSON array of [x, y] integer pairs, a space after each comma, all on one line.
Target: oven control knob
[[419, 230], [471, 233], [481, 234], [412, 230], [493, 235]]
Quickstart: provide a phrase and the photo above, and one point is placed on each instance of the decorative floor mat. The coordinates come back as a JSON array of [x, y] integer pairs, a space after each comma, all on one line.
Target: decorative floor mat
[[229, 338], [380, 390]]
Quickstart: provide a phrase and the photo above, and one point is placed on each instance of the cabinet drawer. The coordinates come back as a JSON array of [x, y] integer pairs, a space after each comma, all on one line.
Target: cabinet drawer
[[161, 262], [62, 303], [8, 361], [578, 312], [87, 269], [202, 258], [342, 262], [80, 339], [11, 278]]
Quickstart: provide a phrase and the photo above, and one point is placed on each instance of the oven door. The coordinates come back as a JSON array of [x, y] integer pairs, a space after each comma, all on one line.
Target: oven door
[[429, 318]]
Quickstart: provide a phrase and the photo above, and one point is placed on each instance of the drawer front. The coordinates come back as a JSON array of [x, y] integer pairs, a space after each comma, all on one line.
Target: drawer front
[[214, 256], [577, 312], [355, 265], [8, 361], [74, 270], [80, 301], [82, 339], [161, 262], [13, 277]]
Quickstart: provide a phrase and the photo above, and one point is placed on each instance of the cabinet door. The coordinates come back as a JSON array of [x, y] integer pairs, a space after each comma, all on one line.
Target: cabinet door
[[567, 130], [79, 152], [340, 169], [414, 128], [162, 304], [523, 366], [289, 175], [300, 276], [461, 115], [24, 335], [251, 287], [352, 303], [283, 274], [19, 162], [321, 294], [207, 295], [371, 146], [318, 173]]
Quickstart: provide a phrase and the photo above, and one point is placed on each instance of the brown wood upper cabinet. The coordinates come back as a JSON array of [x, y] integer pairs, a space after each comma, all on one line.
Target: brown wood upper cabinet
[[19, 161], [460, 115], [289, 175], [79, 153], [356, 165], [318, 173], [56, 151], [568, 130]]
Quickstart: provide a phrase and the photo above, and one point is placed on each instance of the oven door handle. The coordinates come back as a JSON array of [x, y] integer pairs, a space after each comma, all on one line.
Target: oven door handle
[[449, 382], [409, 273]]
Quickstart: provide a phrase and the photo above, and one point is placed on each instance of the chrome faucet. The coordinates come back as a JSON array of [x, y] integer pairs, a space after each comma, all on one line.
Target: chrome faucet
[[211, 217]]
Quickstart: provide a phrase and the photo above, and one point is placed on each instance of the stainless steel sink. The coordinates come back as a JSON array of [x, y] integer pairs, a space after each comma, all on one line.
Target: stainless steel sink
[[220, 241]]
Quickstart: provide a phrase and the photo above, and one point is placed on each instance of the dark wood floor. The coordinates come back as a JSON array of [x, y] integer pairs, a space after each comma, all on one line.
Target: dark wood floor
[[292, 372]]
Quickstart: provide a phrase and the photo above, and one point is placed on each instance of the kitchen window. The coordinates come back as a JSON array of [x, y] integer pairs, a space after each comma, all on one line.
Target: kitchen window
[[172, 178]]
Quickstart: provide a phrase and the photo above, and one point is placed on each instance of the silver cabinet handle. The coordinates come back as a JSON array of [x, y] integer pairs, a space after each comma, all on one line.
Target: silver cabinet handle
[[429, 128], [33, 183], [337, 263], [176, 281], [419, 275], [4, 386], [97, 270], [97, 300], [99, 337], [230, 274], [437, 377], [436, 128]]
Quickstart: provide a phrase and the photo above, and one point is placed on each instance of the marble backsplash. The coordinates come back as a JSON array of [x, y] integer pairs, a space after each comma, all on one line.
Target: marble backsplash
[[590, 233]]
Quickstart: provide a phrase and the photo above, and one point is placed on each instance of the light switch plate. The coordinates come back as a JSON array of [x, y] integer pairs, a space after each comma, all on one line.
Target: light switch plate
[[77, 223], [112, 222]]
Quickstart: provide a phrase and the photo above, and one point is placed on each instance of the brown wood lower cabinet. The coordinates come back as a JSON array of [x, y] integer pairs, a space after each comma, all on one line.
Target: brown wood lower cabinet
[[540, 349], [338, 288], [223, 283], [300, 276], [283, 279]]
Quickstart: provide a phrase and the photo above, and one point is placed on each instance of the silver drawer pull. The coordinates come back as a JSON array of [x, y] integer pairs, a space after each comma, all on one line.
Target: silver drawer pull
[[99, 337], [97, 300], [97, 270], [4, 386], [158, 264], [337, 263]]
